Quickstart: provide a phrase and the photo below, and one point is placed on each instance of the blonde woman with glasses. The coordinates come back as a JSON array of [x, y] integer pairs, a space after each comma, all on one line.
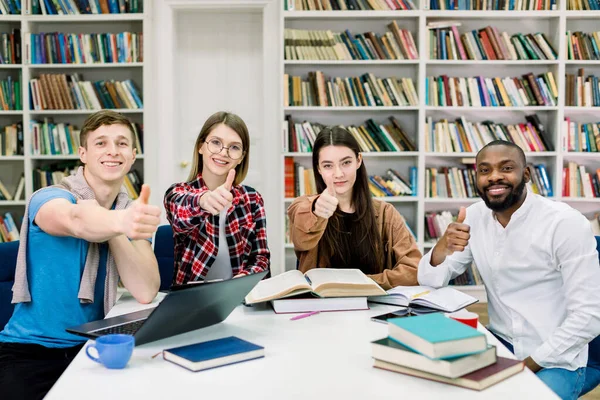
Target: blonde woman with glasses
[[219, 225]]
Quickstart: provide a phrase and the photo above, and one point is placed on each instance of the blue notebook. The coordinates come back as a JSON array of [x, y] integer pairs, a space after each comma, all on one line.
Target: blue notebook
[[214, 353], [436, 336]]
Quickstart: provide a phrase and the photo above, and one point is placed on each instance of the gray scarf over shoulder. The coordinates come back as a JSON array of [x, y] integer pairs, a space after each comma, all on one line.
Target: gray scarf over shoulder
[[78, 186]]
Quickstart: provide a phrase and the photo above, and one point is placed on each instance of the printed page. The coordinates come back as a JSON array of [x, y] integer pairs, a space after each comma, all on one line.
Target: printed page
[[330, 282], [286, 284], [410, 292], [319, 276], [446, 298]]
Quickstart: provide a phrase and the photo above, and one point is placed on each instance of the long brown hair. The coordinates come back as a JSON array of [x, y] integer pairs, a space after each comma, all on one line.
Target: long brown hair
[[365, 237], [239, 126]]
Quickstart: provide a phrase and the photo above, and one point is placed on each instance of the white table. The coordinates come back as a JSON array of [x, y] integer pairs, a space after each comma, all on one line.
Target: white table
[[325, 356]]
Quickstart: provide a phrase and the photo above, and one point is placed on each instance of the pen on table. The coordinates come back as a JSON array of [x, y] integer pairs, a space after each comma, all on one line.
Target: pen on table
[[304, 315], [154, 356], [420, 294]]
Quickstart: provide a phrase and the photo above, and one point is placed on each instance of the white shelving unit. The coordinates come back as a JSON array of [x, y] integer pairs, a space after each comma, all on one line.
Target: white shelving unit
[[553, 23], [12, 167]]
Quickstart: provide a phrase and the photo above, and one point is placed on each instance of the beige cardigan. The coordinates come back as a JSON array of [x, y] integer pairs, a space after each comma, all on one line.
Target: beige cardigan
[[401, 252]]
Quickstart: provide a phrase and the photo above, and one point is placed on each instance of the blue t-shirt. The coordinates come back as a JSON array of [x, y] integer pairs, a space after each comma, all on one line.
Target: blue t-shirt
[[54, 269]]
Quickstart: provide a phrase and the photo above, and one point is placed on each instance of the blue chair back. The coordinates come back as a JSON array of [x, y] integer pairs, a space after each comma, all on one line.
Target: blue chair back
[[164, 250], [8, 262], [594, 346]]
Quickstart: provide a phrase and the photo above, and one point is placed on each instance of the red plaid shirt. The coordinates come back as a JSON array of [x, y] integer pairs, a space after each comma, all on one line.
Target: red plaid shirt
[[196, 231]]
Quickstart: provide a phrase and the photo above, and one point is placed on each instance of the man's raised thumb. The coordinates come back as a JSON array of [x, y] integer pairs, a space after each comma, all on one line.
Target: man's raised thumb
[[145, 194], [462, 214]]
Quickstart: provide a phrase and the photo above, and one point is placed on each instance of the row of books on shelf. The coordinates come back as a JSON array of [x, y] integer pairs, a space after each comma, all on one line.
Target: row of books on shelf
[[488, 5], [577, 182], [389, 5], [464, 136], [461, 182], [583, 46], [479, 91], [394, 184], [73, 7], [300, 181], [581, 91], [540, 183], [9, 231], [450, 182], [84, 48], [348, 5], [10, 7], [398, 44], [53, 174], [10, 47], [436, 224], [467, 5], [581, 137], [443, 136], [300, 137], [49, 138], [446, 43], [10, 94], [361, 91], [586, 5], [17, 194], [11, 140], [69, 92]]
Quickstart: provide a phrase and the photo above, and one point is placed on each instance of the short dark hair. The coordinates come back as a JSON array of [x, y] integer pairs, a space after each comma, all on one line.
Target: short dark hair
[[100, 118], [507, 144]]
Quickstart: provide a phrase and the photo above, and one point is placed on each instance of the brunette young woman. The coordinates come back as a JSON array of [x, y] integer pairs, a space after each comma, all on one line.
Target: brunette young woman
[[343, 226]]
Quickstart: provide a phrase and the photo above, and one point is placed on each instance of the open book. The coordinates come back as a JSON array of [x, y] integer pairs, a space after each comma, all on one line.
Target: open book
[[321, 282], [443, 299]]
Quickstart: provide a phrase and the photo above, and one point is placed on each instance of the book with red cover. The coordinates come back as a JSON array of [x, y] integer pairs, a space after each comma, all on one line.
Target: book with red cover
[[476, 380]]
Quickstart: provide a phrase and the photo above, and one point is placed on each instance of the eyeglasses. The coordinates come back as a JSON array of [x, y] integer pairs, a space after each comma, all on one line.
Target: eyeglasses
[[235, 151]]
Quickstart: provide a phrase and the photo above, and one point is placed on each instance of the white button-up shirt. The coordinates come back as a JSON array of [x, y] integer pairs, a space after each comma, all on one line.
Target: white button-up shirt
[[541, 275]]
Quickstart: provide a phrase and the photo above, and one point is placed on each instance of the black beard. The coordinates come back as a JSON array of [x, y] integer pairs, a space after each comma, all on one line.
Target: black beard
[[513, 197]]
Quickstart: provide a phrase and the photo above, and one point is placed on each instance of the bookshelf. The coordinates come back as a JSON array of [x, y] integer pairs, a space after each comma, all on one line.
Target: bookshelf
[[12, 167], [554, 23]]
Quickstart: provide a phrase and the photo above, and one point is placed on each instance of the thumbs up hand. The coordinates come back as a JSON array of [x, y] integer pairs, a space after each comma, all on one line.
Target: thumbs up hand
[[141, 219], [327, 202], [215, 201], [457, 235]]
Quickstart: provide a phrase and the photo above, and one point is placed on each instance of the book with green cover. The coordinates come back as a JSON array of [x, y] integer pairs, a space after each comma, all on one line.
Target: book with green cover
[[436, 336]]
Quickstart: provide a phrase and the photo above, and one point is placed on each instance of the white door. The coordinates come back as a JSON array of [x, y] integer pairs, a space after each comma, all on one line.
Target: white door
[[208, 56], [218, 60]]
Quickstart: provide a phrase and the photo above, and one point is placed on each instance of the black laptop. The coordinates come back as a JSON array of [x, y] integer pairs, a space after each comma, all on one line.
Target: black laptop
[[185, 308]]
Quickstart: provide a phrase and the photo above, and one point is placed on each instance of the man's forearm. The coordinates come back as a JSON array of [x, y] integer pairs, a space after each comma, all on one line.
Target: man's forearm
[[532, 365], [438, 256], [137, 267], [95, 225]]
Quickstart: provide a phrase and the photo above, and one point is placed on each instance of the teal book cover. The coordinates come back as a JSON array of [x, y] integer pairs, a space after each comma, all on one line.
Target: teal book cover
[[435, 328]]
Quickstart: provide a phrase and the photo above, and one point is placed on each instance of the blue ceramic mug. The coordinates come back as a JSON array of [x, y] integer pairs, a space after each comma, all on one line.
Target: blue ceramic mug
[[114, 351]]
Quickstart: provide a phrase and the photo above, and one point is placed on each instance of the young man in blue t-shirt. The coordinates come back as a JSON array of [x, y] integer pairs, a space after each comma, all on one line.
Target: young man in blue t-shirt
[[53, 291]]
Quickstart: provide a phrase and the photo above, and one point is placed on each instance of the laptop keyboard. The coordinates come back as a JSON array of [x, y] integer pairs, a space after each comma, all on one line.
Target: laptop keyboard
[[129, 328]]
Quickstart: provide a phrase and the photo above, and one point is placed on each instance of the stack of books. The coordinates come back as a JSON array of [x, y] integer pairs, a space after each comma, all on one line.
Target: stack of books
[[441, 349], [397, 44], [393, 184]]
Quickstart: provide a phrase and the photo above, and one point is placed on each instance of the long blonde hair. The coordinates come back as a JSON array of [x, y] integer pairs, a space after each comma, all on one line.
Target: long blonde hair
[[239, 126]]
